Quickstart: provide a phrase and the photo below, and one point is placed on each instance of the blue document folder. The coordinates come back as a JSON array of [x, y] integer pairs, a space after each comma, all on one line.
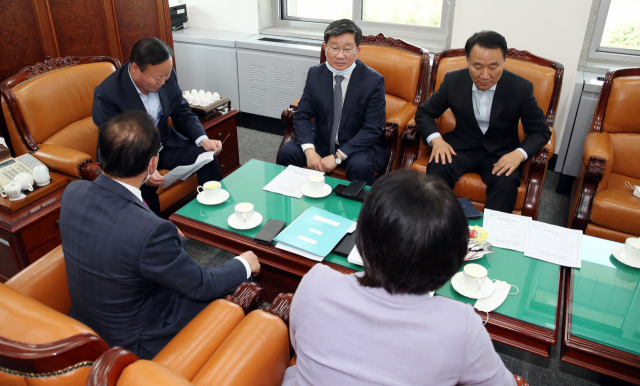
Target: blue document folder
[[316, 231]]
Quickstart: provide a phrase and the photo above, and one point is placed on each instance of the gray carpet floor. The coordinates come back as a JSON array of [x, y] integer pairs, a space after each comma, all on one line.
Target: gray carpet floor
[[554, 209]]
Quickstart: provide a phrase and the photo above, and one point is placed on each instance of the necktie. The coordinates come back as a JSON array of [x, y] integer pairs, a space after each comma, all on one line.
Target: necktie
[[337, 112], [145, 204]]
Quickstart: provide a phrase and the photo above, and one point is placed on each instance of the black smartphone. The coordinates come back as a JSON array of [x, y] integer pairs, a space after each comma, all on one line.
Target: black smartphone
[[269, 231], [354, 188]]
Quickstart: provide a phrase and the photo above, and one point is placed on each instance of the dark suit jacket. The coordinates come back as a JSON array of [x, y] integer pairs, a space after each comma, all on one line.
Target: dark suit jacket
[[513, 101], [130, 277], [117, 93], [363, 113]]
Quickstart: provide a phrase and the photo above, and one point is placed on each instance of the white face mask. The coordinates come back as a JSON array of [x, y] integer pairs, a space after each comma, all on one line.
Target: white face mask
[[494, 301], [149, 174], [636, 188], [345, 71]]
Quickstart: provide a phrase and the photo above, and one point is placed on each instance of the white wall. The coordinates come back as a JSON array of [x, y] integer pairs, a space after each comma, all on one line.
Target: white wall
[[549, 28], [236, 15]]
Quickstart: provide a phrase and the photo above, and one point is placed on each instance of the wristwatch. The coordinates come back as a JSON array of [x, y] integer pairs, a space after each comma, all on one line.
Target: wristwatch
[[338, 159]]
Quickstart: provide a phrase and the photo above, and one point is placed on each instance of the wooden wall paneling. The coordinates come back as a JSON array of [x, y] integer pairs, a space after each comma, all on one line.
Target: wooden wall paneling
[[111, 24], [46, 29], [80, 27], [164, 22], [136, 20]]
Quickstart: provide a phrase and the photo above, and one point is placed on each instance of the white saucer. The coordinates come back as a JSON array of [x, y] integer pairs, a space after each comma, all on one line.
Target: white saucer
[[457, 281], [618, 253], [326, 190], [20, 197], [255, 221], [224, 196]]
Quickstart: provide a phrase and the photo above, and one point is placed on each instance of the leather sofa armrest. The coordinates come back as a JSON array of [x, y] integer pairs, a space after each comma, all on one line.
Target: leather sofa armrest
[[145, 372], [255, 353], [409, 145], [287, 117], [403, 116], [63, 159], [598, 145], [192, 347], [45, 281], [551, 145]]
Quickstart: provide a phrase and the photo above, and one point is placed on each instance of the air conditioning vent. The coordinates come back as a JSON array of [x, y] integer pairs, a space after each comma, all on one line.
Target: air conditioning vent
[[284, 99], [285, 78], [258, 74], [259, 96], [291, 42]]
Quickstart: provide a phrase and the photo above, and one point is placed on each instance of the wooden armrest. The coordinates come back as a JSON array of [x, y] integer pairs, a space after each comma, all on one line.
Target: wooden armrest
[[109, 366], [45, 281], [188, 351], [63, 159], [281, 306], [249, 296], [90, 171]]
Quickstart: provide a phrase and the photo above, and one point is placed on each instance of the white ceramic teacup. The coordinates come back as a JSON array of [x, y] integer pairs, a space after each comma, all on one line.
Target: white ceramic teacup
[[210, 190], [244, 212], [632, 249], [41, 175], [24, 179], [474, 275], [315, 182], [13, 191]]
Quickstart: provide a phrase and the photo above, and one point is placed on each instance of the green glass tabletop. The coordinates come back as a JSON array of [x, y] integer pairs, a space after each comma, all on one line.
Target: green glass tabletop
[[606, 301], [245, 185], [537, 299]]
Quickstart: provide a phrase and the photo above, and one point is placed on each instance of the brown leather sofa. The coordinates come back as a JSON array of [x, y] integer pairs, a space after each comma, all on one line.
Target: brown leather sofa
[[601, 204], [47, 109], [41, 345], [405, 68], [546, 77]]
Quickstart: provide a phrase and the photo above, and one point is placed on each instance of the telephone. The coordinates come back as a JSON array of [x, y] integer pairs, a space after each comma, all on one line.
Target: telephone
[[10, 167]]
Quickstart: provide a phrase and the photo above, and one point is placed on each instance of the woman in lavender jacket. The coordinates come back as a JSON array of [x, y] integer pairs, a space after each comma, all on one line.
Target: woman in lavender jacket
[[382, 327]]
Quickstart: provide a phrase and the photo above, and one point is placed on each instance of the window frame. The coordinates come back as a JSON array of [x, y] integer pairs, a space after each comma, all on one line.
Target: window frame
[[436, 34], [597, 52]]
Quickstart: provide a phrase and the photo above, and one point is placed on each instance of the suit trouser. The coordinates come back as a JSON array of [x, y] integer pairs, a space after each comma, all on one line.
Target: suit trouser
[[502, 191], [358, 166], [170, 158]]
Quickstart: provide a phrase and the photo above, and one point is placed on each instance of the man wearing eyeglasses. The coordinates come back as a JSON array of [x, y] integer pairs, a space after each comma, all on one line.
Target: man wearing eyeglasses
[[149, 83], [347, 100]]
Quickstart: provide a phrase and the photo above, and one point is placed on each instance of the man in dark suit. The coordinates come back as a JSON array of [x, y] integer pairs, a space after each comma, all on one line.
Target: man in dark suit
[[346, 98], [149, 83], [130, 277], [487, 102]]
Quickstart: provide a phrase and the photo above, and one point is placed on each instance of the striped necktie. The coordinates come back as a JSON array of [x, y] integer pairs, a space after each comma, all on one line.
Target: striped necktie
[[337, 112]]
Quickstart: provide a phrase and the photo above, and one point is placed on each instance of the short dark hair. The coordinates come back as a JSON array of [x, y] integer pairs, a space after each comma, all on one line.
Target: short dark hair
[[128, 141], [343, 26], [486, 39], [150, 51], [412, 233]]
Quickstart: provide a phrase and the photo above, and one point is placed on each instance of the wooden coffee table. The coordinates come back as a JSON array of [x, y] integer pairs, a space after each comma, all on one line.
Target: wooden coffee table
[[528, 320]]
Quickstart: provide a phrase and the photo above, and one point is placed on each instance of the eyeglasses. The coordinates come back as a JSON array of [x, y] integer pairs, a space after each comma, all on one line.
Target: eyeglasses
[[346, 52]]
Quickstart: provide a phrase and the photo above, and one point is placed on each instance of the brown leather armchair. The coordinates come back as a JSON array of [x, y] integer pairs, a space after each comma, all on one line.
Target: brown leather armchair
[[47, 109], [546, 76], [37, 342], [405, 68], [601, 204], [256, 353]]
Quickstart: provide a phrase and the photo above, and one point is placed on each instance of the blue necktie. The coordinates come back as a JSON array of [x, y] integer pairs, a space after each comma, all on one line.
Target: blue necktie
[[337, 112]]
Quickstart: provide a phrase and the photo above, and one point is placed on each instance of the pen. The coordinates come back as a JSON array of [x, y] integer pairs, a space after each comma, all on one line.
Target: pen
[[218, 149]]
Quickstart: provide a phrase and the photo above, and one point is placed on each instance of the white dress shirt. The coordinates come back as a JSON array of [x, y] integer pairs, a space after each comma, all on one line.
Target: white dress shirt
[[153, 106], [344, 85], [482, 102], [136, 192]]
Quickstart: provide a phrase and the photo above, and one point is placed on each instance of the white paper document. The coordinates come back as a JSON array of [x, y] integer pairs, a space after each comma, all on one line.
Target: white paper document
[[298, 251], [354, 257], [290, 181], [555, 245], [184, 172], [507, 230]]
